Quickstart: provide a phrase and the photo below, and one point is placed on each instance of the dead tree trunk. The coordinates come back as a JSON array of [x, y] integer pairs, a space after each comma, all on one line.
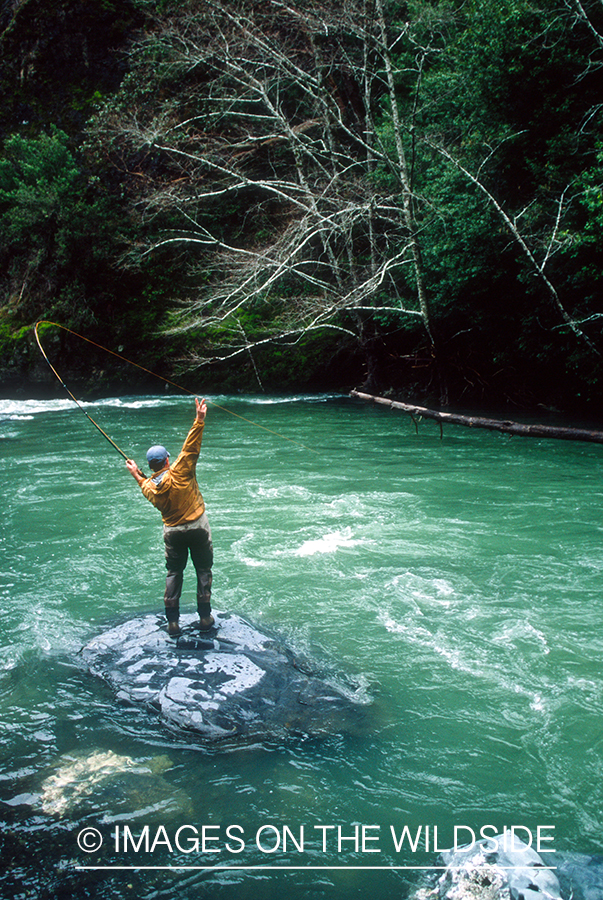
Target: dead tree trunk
[[542, 431]]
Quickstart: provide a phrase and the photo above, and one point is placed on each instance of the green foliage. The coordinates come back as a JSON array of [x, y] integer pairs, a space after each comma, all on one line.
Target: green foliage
[[163, 204], [62, 235], [39, 186], [55, 221], [580, 259]]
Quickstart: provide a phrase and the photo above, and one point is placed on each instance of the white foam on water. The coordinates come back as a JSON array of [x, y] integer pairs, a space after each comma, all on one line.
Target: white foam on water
[[26, 410], [328, 543]]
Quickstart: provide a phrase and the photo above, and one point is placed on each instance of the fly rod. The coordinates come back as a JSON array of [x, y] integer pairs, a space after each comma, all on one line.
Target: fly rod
[[75, 400]]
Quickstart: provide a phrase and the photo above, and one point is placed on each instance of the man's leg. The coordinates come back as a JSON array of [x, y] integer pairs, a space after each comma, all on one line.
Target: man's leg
[[206, 620], [176, 555], [202, 555]]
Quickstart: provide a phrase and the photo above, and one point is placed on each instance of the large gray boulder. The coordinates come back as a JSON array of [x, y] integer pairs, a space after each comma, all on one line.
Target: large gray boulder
[[234, 681]]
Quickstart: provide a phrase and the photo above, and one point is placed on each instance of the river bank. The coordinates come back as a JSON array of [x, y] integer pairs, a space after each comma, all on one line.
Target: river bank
[[97, 365]]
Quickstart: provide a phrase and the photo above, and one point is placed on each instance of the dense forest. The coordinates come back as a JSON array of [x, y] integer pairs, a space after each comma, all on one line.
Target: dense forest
[[401, 196]]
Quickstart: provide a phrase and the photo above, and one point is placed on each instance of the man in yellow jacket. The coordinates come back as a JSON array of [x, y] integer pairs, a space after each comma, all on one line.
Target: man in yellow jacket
[[173, 489]]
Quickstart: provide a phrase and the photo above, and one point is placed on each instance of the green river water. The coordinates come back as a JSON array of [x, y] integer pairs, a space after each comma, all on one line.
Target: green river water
[[454, 584]]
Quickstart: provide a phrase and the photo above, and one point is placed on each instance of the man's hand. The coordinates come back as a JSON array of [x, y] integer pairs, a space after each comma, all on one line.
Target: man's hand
[[201, 410], [134, 470]]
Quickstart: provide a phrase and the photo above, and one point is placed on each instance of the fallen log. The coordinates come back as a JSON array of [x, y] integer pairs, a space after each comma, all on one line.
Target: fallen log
[[508, 427]]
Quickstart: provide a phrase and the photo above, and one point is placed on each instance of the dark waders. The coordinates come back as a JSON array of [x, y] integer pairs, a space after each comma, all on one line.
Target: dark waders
[[180, 540]]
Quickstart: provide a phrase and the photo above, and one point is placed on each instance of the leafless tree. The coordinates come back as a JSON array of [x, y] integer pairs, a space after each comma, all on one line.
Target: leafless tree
[[296, 203], [278, 120]]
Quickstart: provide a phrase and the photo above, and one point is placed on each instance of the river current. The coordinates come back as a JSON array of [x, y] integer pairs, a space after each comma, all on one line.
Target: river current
[[454, 583]]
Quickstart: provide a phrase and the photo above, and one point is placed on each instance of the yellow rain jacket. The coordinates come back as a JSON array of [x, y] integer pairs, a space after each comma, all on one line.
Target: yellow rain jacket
[[174, 489]]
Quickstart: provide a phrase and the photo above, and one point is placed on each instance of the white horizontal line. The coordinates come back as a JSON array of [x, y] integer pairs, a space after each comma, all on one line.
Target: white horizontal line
[[285, 868]]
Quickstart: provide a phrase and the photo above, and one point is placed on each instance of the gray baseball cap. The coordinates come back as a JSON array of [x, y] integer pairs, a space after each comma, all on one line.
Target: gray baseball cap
[[157, 453]]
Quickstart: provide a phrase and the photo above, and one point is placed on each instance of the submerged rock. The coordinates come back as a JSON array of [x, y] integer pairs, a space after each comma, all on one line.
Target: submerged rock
[[580, 875], [234, 681], [84, 783], [498, 868]]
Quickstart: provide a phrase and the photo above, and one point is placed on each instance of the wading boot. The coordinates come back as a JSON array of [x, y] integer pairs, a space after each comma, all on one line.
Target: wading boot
[[173, 614], [206, 620]]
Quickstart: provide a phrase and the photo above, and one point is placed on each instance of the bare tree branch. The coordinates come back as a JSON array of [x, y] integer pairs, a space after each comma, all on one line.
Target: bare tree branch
[[537, 267]]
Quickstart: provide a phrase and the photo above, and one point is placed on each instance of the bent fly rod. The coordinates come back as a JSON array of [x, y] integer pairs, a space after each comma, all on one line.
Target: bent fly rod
[[149, 372], [75, 400]]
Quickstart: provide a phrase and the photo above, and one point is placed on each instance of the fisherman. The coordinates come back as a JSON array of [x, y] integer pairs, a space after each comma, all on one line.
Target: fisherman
[[173, 489]]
